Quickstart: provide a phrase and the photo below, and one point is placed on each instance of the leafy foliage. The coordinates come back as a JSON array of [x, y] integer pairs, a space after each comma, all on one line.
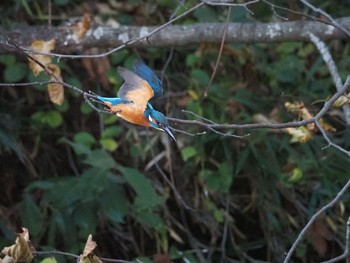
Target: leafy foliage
[[69, 172]]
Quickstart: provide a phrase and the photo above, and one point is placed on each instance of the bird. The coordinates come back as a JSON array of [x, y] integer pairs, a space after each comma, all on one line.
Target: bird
[[133, 98]]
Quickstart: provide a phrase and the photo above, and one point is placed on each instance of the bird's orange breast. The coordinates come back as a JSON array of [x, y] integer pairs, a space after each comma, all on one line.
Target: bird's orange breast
[[131, 113]]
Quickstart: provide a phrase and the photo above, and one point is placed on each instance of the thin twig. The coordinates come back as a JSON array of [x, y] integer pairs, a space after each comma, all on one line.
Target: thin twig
[[220, 53], [330, 143], [313, 219], [328, 59], [327, 105], [330, 18]]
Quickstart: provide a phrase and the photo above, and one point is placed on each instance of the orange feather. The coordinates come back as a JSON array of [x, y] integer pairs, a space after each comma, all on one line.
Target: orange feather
[[134, 89], [131, 113]]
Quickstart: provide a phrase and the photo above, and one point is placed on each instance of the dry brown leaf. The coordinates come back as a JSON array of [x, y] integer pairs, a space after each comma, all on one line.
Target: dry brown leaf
[[318, 235], [299, 134], [7, 259], [161, 258], [89, 246], [175, 236], [304, 133], [88, 255], [81, 27], [55, 90], [20, 251], [299, 109], [342, 100], [327, 127], [43, 47]]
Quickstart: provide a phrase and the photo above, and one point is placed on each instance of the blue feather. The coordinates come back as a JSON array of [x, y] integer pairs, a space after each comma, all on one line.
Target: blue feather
[[113, 101], [147, 74]]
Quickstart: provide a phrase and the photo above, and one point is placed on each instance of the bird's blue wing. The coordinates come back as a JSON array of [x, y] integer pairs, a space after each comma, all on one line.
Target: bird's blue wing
[[135, 89], [142, 70]]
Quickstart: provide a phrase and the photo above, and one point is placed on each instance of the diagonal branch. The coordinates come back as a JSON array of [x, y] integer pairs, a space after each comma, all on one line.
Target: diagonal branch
[[313, 219], [318, 116]]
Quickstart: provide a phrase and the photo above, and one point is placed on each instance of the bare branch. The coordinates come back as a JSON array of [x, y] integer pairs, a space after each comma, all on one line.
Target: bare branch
[[346, 253], [214, 126], [169, 36], [327, 57], [313, 219], [220, 53], [329, 17]]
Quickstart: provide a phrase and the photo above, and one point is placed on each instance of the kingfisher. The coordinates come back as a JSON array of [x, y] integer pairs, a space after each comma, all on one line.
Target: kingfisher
[[133, 98]]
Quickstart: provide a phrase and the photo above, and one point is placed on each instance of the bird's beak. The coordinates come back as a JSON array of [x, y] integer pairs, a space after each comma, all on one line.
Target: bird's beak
[[168, 131]]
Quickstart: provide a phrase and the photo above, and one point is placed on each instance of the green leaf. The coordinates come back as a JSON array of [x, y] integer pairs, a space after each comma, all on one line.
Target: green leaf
[[61, 2], [192, 59], [118, 57], [200, 76], [8, 60], [42, 77], [143, 260], [109, 144], [206, 14], [110, 119], [226, 173], [8, 142], [288, 47], [84, 138], [100, 159], [114, 204], [74, 81], [43, 185], [63, 107], [218, 181], [188, 152], [54, 118], [111, 131], [49, 260], [297, 175], [31, 216], [85, 108], [15, 72], [149, 218], [77, 147], [86, 219], [146, 195]]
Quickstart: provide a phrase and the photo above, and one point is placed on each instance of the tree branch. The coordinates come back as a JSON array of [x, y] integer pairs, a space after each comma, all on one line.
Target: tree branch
[[313, 219], [168, 36]]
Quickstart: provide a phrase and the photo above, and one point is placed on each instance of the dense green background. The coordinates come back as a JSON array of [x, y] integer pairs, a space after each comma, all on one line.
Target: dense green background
[[67, 171]]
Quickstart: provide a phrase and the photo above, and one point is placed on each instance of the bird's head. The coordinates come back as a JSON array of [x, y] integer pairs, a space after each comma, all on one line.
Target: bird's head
[[158, 121]]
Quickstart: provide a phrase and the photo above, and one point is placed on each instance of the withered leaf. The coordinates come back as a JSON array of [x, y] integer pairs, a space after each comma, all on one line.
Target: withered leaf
[[318, 234], [43, 47], [299, 134], [327, 127], [7, 259], [304, 133], [161, 258], [88, 255], [20, 251], [341, 101], [81, 27], [55, 90]]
